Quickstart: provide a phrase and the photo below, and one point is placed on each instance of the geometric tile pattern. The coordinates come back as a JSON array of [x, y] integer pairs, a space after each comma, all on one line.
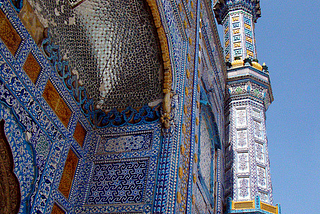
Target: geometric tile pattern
[[120, 176], [205, 153], [147, 161], [125, 143], [118, 182], [23, 158], [250, 170]]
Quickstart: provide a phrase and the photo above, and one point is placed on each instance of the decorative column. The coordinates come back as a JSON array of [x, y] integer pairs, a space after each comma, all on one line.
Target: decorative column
[[237, 18], [248, 185], [247, 161]]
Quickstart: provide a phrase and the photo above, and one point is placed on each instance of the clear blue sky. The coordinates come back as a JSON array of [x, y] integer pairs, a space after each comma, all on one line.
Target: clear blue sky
[[288, 40]]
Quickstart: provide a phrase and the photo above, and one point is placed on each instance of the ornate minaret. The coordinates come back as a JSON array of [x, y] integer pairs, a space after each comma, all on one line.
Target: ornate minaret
[[248, 185]]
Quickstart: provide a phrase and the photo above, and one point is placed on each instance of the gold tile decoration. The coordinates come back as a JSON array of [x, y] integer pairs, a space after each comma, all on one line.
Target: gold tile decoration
[[228, 57], [194, 178], [79, 134], [195, 158], [56, 209], [247, 26], [68, 173], [269, 208], [188, 73], [8, 34], [31, 22], [241, 205], [179, 197], [182, 149], [236, 31], [250, 53], [237, 44], [226, 30], [57, 104], [235, 18], [184, 128], [186, 91], [32, 68], [180, 172]]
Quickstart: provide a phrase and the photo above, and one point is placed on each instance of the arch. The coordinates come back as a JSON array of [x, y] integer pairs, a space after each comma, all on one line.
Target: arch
[[23, 161], [10, 195], [167, 79], [164, 48]]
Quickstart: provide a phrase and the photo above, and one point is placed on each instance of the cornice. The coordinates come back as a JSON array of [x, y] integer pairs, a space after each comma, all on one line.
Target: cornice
[[249, 89]]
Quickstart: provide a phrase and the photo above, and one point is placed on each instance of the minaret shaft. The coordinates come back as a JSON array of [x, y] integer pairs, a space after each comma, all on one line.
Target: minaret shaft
[[247, 170], [239, 39], [247, 150]]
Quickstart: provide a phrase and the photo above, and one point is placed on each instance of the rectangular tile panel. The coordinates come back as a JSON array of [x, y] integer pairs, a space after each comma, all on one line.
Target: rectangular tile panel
[[68, 173], [32, 68], [57, 104], [8, 34]]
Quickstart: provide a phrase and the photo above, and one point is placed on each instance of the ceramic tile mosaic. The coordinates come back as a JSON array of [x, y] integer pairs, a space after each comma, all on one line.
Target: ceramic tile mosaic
[[71, 156], [117, 49]]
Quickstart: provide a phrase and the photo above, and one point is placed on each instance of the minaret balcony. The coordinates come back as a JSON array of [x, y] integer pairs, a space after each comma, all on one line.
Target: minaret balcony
[[255, 206]]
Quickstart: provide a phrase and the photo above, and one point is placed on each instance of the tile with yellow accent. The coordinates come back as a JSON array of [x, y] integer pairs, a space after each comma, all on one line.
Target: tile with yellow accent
[[56, 209], [68, 173], [32, 68], [31, 22], [57, 104], [79, 134], [8, 34]]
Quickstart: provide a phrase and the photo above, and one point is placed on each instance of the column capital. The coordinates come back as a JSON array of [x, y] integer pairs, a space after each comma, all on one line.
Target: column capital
[[247, 78], [223, 7]]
